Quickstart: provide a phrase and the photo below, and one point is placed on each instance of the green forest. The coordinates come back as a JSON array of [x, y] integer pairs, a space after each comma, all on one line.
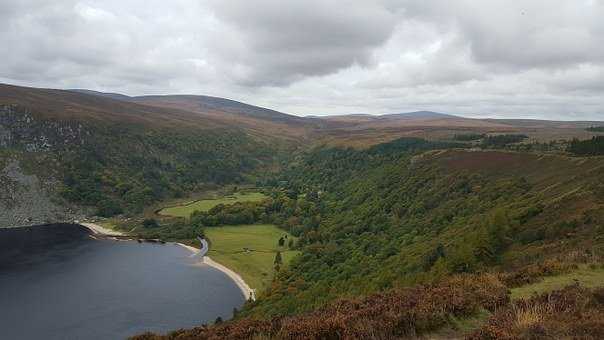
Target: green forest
[[370, 220], [125, 175], [589, 147], [410, 212], [411, 224]]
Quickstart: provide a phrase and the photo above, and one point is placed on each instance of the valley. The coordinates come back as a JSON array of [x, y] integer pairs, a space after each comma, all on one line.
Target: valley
[[400, 225]]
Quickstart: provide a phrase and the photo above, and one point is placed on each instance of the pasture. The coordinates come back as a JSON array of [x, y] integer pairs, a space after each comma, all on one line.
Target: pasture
[[249, 250], [185, 210]]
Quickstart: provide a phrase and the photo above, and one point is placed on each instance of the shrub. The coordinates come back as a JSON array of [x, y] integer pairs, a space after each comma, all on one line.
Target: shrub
[[393, 314], [535, 272], [502, 140], [468, 137], [572, 312], [150, 223], [108, 208]]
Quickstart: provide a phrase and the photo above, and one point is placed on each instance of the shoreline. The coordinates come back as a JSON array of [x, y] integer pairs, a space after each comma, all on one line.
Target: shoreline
[[100, 230], [248, 292]]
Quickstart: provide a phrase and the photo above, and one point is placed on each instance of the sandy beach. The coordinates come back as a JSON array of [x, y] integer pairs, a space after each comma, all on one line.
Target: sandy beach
[[245, 289], [97, 229]]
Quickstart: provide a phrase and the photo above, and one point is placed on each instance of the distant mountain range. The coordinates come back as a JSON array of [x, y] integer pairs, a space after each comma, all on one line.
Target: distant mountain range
[[192, 111], [201, 104]]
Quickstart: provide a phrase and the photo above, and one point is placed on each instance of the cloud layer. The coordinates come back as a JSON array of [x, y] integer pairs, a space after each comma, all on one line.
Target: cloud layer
[[538, 58]]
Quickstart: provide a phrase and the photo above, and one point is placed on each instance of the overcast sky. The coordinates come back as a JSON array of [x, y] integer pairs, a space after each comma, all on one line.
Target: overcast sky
[[478, 58]]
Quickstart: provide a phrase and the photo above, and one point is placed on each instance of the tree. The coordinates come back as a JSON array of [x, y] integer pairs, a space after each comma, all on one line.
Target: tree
[[218, 320], [278, 261], [433, 256], [312, 196], [498, 226], [278, 258], [109, 207], [590, 147], [439, 269], [462, 260], [150, 223]]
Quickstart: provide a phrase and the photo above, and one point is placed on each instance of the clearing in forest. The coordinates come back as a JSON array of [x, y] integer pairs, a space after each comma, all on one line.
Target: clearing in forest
[[185, 210], [250, 250]]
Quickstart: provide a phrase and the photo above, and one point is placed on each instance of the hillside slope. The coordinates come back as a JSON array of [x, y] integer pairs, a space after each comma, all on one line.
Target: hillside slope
[[116, 155], [225, 112], [397, 238], [383, 212], [362, 131], [259, 120], [84, 107]]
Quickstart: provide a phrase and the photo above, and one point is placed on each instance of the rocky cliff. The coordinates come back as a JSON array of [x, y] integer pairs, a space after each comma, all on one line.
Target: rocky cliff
[[28, 182]]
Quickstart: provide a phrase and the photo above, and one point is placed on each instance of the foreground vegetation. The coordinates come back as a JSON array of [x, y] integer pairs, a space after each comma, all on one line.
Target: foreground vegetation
[[472, 306], [588, 276], [574, 312], [393, 314]]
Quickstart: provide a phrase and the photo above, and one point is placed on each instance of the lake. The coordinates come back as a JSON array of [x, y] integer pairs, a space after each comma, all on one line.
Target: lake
[[58, 283]]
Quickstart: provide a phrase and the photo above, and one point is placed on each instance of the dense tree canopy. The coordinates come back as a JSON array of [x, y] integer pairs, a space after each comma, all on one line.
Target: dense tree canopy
[[395, 215], [590, 147]]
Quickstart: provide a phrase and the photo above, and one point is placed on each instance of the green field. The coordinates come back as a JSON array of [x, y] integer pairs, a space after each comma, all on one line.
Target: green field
[[585, 276], [255, 266], [185, 210]]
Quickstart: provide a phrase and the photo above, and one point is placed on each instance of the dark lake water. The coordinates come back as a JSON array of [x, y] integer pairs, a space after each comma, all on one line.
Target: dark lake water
[[57, 283]]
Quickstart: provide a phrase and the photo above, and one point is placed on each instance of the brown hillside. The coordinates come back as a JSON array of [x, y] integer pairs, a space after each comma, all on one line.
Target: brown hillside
[[69, 105], [259, 120]]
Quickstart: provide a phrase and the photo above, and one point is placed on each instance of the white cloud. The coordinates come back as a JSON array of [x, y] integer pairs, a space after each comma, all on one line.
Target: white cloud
[[537, 58]]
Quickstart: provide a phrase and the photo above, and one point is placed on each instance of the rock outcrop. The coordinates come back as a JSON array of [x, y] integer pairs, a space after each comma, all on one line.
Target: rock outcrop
[[26, 200], [30, 197]]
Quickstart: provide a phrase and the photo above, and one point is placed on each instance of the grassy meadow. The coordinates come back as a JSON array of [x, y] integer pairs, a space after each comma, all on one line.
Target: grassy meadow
[[185, 210], [586, 276], [256, 266]]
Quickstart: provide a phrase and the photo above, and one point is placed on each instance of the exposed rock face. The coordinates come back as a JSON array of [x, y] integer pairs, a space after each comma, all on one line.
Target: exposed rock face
[[19, 129], [26, 200], [29, 197]]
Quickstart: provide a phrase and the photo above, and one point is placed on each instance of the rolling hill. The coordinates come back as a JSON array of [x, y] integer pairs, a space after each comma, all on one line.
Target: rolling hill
[[95, 144], [221, 111], [116, 154], [362, 130], [407, 238]]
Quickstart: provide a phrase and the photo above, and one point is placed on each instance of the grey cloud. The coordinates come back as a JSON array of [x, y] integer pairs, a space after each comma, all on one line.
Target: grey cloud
[[535, 58], [290, 40], [527, 34]]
